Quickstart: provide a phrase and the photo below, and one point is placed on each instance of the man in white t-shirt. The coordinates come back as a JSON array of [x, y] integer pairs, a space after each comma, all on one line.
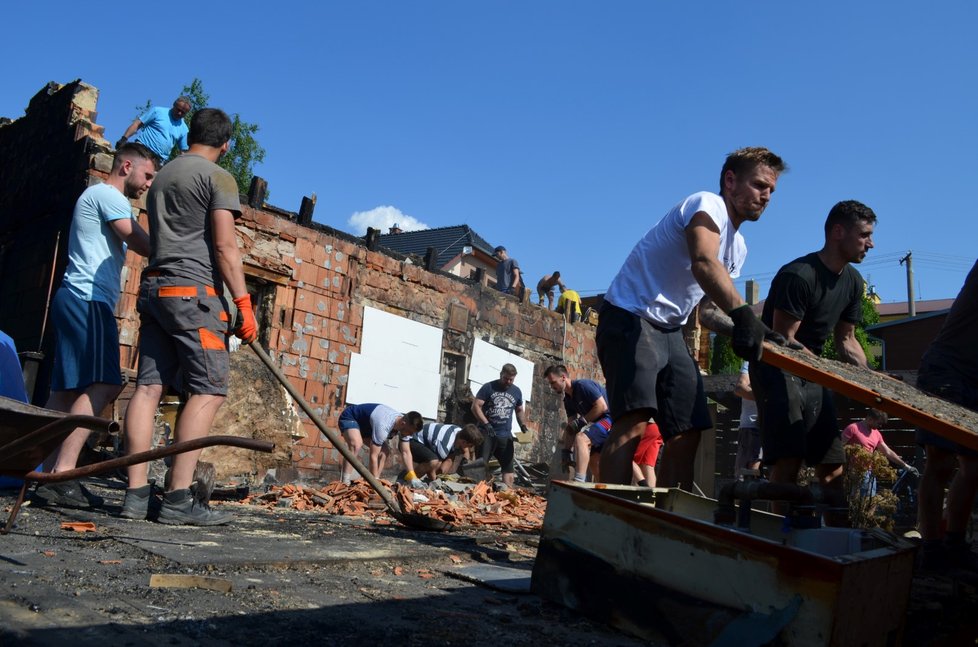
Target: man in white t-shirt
[[86, 375], [691, 256]]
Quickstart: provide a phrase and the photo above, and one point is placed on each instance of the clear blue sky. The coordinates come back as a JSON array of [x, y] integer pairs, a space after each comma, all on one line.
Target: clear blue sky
[[564, 129]]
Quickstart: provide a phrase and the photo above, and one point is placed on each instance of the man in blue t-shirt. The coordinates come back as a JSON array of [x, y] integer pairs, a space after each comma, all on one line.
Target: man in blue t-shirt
[[493, 407], [86, 377], [588, 420], [160, 129]]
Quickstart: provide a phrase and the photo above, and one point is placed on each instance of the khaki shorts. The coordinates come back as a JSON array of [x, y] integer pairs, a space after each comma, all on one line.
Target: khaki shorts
[[183, 333]]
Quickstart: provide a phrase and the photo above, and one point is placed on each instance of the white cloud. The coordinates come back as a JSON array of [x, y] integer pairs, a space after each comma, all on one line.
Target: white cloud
[[383, 218]]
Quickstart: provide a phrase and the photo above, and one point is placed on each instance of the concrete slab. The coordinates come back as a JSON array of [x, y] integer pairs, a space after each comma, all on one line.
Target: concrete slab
[[500, 578]]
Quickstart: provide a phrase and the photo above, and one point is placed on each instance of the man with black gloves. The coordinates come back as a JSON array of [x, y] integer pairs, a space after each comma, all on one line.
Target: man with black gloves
[[692, 255], [588, 420], [811, 298], [184, 319], [493, 407]]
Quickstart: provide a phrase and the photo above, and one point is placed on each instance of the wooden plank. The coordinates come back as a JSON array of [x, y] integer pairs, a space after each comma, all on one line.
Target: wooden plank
[[882, 392], [170, 580]]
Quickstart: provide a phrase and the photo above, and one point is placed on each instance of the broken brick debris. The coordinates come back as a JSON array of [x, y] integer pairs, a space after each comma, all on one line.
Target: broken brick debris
[[480, 505]]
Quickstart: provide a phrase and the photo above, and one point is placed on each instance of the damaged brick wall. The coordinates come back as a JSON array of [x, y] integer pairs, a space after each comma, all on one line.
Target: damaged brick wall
[[311, 284], [317, 319], [46, 157]]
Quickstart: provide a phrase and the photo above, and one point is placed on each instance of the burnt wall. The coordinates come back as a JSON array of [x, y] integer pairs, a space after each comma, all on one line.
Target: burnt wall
[[45, 159]]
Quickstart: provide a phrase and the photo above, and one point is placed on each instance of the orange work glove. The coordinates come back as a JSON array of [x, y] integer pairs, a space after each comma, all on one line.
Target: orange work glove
[[248, 330]]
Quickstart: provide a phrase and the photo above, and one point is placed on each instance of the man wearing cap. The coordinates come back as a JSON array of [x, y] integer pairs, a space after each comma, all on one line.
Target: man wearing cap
[[508, 278]]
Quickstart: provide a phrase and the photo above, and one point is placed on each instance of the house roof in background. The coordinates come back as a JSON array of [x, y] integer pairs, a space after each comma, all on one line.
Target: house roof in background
[[900, 307], [449, 242]]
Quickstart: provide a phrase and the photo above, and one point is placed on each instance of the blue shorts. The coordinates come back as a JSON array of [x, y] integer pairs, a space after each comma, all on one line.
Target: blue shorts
[[597, 434], [183, 336], [87, 345]]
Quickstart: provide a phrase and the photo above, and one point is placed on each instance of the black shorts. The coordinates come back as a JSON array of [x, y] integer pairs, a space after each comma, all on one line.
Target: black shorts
[[422, 453], [503, 449], [797, 418], [936, 378], [647, 367]]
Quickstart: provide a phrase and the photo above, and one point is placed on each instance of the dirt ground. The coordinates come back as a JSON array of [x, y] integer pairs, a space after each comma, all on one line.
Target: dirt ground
[[298, 576]]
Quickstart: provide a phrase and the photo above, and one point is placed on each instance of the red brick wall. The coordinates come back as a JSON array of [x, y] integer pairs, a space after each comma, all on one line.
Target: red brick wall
[[316, 281]]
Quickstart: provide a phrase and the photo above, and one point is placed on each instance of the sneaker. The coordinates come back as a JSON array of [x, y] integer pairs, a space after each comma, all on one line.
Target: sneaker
[[136, 503], [181, 509], [68, 494]]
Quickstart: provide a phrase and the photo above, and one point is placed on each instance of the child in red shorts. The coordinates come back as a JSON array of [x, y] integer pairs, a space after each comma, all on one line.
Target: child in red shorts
[[643, 463]]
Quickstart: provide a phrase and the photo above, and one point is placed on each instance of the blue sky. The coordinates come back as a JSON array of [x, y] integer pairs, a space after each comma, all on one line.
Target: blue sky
[[565, 129]]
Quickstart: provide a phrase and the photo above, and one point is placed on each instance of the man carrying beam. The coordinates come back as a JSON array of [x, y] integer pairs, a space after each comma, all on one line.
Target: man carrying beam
[[692, 255]]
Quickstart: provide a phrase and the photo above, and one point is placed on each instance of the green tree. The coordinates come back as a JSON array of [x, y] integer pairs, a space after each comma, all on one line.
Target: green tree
[[723, 360], [870, 318], [244, 152]]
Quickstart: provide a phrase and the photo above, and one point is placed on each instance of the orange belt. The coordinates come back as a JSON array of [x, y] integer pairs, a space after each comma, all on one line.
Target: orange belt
[[185, 291]]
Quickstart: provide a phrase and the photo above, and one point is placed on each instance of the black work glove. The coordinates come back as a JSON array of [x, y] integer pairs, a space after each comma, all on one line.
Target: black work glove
[[749, 333], [122, 140], [523, 427], [487, 429], [580, 423]]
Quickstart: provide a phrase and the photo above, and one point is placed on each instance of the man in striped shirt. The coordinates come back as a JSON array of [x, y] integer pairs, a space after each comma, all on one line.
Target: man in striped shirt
[[438, 447]]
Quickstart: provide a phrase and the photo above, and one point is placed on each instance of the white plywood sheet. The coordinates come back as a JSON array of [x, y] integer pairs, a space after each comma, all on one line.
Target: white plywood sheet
[[488, 360], [398, 364], [373, 380], [400, 340]]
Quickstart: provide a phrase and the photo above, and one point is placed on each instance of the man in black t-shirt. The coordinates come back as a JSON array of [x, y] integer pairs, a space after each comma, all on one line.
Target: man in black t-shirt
[[812, 297]]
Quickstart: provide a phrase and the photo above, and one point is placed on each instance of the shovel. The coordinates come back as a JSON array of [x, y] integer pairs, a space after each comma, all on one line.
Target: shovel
[[409, 519]]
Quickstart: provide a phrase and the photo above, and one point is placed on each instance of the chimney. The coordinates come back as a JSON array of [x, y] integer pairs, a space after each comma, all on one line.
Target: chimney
[[753, 292], [395, 229]]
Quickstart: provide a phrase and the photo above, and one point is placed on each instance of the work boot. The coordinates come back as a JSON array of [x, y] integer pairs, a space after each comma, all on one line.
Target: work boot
[[960, 556], [68, 494], [181, 509], [136, 503]]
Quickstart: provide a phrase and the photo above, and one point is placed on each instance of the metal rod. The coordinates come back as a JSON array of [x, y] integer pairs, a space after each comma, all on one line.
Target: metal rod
[[329, 433]]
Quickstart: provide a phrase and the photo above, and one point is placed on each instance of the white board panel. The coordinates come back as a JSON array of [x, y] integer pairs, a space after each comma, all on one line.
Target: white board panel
[[400, 340], [404, 389], [488, 360], [398, 364]]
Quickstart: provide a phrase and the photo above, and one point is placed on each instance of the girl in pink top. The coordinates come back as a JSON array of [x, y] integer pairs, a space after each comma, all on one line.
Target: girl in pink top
[[866, 433]]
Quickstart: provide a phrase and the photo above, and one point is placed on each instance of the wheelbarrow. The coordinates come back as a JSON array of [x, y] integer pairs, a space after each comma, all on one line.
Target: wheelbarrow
[[28, 434]]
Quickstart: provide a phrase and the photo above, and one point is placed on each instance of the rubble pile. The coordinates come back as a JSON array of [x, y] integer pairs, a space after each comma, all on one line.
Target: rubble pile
[[475, 505]]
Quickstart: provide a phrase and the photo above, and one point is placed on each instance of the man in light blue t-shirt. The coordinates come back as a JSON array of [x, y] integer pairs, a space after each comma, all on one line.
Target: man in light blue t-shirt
[[160, 129], [86, 377]]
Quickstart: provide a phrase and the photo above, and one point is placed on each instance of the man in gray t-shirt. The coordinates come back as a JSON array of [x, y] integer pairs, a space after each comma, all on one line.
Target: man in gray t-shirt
[[184, 319], [508, 278]]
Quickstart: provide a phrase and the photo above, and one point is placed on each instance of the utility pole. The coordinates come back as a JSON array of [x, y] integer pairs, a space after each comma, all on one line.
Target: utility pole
[[911, 306]]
